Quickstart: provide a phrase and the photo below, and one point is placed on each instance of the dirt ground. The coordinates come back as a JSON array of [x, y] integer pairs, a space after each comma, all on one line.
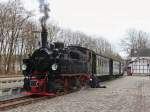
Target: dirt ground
[[127, 94]]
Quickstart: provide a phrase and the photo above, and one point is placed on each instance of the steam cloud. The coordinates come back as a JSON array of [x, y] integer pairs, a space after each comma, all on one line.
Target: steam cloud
[[44, 9]]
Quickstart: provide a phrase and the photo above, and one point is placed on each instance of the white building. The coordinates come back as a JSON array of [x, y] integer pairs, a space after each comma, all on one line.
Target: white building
[[140, 62]]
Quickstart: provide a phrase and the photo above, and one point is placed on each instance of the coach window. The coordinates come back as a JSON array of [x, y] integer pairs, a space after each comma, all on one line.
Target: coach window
[[74, 55]]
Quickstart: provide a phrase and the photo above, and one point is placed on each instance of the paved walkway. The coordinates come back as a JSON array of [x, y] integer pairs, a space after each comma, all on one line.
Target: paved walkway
[[127, 94]]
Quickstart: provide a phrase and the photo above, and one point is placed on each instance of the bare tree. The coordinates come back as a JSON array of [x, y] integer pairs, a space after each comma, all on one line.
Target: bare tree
[[135, 40], [12, 18], [53, 31], [97, 44]]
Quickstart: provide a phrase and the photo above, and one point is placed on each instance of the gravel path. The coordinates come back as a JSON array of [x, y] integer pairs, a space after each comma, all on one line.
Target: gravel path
[[127, 94]]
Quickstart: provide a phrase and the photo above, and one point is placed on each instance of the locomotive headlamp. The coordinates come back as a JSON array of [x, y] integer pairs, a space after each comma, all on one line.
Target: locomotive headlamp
[[24, 67], [54, 66]]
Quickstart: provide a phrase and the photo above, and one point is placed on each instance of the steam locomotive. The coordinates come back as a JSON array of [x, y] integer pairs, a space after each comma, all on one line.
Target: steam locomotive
[[54, 68]]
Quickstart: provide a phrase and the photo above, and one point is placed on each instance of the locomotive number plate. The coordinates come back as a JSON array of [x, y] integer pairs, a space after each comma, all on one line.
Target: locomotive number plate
[[33, 83]]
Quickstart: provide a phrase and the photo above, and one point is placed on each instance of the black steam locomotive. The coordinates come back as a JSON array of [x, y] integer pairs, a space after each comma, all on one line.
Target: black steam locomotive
[[53, 68]]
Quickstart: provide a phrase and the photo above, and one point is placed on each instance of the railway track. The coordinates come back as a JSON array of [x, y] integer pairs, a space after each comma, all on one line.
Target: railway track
[[25, 100], [12, 103]]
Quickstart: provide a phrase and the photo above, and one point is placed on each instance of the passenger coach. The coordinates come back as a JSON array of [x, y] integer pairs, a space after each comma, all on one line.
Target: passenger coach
[[105, 67]]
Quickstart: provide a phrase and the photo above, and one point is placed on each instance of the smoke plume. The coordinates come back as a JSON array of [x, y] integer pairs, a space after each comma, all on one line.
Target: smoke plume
[[44, 9]]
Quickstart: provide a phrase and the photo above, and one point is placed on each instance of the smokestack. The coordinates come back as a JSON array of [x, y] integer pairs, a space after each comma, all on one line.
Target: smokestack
[[44, 37], [44, 9]]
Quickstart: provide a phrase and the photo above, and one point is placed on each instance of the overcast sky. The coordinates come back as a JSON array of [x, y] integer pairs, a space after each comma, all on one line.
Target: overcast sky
[[107, 18]]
